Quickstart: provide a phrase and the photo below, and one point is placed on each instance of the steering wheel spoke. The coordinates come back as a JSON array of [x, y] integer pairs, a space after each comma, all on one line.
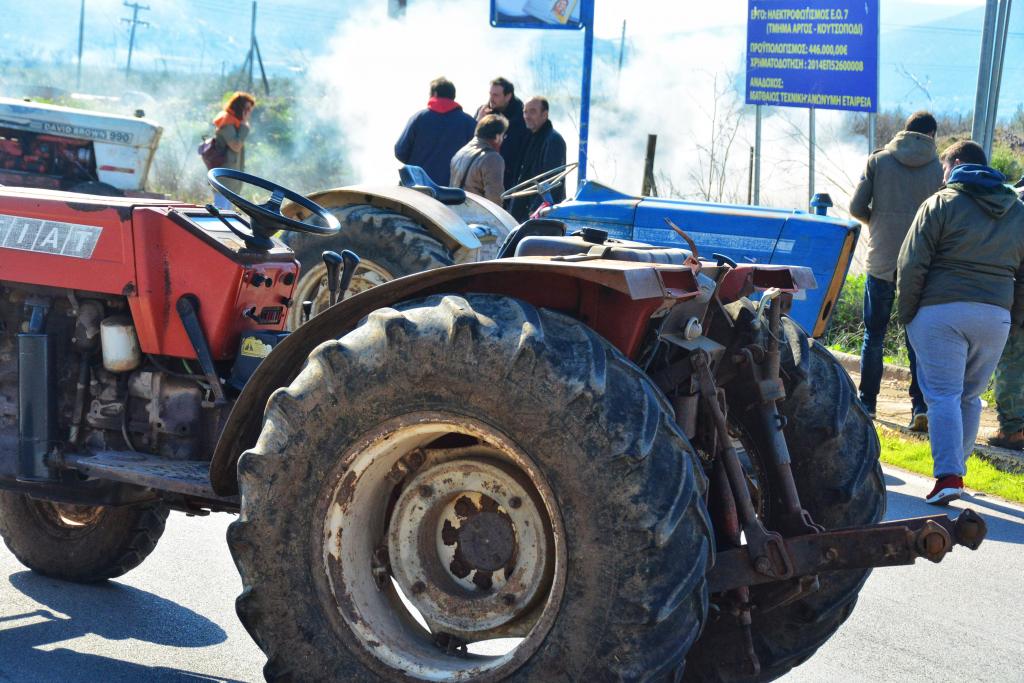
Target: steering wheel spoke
[[275, 201], [539, 184]]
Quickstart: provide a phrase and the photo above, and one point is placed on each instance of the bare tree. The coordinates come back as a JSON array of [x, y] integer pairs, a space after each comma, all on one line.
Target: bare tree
[[724, 119]]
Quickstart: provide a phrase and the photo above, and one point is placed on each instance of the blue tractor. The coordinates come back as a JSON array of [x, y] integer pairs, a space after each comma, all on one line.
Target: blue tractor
[[418, 225], [734, 233]]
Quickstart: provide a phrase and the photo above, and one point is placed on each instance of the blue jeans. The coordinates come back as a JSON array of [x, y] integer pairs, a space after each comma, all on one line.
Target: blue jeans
[[960, 344], [879, 296]]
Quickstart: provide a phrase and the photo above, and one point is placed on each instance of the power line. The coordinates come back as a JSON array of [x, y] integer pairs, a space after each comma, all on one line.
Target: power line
[[134, 21]]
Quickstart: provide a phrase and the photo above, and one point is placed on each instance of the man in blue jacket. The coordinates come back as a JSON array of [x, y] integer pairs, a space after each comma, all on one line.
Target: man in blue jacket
[[433, 135]]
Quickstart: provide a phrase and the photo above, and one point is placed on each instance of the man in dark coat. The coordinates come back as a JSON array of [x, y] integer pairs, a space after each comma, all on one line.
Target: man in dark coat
[[502, 100], [545, 150], [433, 135]]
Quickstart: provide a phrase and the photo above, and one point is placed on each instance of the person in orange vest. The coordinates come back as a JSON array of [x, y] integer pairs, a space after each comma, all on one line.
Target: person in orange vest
[[233, 128]]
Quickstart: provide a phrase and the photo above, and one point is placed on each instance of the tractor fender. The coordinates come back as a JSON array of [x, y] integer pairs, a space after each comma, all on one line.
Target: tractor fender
[[443, 224], [617, 299]]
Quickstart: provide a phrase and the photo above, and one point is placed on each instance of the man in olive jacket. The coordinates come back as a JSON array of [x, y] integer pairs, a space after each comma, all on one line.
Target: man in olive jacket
[[961, 278], [895, 182]]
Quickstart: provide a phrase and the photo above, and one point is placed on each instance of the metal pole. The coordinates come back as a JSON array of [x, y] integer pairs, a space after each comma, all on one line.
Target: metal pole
[[252, 45], [750, 177], [872, 132], [622, 44], [134, 22], [757, 154], [131, 39], [648, 183], [81, 39], [999, 52], [984, 72], [587, 16], [810, 155]]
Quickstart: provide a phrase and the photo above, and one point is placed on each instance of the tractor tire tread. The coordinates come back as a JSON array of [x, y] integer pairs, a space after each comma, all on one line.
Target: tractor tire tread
[[656, 604]]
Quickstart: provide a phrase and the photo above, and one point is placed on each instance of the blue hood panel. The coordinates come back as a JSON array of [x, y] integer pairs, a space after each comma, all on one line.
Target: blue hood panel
[[745, 234]]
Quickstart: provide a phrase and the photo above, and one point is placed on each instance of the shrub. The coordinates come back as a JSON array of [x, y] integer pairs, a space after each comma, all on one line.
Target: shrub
[[846, 331]]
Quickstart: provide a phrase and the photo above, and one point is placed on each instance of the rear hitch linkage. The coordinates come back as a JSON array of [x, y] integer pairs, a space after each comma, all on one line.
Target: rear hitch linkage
[[793, 555]]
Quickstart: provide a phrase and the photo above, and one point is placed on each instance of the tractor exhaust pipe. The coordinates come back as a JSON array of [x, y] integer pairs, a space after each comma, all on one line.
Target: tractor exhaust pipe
[[37, 399]]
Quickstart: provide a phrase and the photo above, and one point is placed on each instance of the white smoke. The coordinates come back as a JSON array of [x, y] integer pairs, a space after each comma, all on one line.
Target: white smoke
[[377, 70]]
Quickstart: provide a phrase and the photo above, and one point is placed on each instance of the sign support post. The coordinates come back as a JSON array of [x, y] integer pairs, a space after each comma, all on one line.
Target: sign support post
[[588, 58], [561, 14], [757, 154], [810, 154]]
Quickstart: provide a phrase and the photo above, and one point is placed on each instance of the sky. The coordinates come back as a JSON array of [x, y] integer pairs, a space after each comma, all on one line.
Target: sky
[[372, 72]]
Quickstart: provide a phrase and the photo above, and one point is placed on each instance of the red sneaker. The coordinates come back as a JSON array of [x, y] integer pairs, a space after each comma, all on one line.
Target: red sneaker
[[947, 488]]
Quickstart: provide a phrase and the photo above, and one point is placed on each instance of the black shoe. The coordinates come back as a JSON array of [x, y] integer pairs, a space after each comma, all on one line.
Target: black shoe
[[869, 407], [919, 423]]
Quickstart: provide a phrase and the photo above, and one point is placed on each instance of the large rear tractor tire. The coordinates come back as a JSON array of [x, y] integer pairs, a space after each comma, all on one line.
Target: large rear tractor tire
[[482, 469], [389, 245], [834, 449], [78, 542]]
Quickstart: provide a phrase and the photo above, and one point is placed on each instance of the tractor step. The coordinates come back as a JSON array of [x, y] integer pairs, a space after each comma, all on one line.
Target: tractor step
[[187, 477]]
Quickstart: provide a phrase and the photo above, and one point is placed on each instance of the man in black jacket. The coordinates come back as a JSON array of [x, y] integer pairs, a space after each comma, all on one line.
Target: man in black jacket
[[545, 150], [502, 100]]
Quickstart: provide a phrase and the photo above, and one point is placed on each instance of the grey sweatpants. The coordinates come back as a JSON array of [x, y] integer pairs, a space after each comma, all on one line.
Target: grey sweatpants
[[958, 345]]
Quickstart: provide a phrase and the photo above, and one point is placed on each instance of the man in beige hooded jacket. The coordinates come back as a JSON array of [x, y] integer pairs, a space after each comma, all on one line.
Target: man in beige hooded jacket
[[479, 167], [895, 182]]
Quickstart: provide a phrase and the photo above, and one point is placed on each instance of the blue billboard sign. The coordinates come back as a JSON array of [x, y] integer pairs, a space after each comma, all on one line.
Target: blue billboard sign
[[557, 14], [813, 53]]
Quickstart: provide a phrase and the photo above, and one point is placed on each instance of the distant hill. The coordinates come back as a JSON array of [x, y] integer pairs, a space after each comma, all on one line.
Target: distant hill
[[935, 65]]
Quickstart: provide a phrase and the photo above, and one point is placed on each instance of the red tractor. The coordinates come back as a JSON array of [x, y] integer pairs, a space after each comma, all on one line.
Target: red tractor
[[591, 459]]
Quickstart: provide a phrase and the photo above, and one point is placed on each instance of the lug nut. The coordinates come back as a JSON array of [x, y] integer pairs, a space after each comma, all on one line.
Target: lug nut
[[508, 598], [515, 502], [426, 491], [418, 587]]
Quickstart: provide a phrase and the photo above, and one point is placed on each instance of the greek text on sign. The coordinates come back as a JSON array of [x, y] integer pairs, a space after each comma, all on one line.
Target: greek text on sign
[[48, 237], [822, 56]]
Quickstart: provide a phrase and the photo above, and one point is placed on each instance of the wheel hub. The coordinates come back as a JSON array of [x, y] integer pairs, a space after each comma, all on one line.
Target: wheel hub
[[485, 542], [467, 545]]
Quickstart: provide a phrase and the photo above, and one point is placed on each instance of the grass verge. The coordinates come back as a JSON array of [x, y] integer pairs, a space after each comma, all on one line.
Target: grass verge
[[916, 456]]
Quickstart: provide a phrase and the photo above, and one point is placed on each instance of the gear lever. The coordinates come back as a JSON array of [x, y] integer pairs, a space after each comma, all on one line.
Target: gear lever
[[340, 269]]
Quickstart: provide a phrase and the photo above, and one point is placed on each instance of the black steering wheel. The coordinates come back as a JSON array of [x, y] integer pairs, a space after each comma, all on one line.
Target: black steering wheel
[[266, 219], [540, 184]]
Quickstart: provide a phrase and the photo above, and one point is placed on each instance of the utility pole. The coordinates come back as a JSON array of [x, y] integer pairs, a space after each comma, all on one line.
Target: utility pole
[[254, 56], [134, 21], [622, 44], [396, 8], [252, 45], [81, 37], [990, 72]]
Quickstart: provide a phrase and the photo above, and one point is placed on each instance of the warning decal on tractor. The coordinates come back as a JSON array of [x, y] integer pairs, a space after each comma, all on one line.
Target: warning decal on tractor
[[48, 237]]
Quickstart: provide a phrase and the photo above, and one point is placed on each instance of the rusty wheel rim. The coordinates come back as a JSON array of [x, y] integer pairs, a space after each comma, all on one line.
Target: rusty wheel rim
[[442, 548], [313, 287]]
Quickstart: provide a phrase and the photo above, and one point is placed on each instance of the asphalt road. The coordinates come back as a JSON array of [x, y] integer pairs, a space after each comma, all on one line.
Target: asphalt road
[[173, 619]]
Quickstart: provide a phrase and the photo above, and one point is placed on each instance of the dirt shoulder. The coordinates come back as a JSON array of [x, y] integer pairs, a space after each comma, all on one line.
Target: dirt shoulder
[[893, 411]]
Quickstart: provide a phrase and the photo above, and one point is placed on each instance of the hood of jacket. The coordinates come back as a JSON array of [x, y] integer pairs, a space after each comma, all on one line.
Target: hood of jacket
[[442, 105], [912, 149], [226, 117], [985, 186]]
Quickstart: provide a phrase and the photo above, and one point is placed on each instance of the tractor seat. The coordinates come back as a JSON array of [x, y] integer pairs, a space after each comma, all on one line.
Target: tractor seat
[[416, 178]]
